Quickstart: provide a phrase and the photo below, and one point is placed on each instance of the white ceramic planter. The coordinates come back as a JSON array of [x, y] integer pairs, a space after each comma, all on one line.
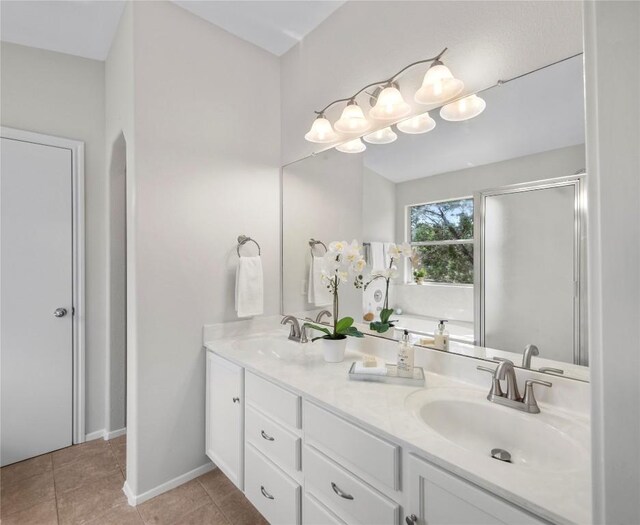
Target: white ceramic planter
[[332, 349]]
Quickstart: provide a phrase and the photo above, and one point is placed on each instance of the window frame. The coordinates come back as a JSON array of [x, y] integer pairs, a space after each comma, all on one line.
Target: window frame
[[407, 267]]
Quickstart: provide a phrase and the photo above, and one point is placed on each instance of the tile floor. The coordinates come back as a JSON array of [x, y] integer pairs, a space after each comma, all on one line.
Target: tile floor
[[83, 484]]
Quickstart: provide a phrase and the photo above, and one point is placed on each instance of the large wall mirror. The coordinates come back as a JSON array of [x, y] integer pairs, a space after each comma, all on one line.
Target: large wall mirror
[[493, 210]]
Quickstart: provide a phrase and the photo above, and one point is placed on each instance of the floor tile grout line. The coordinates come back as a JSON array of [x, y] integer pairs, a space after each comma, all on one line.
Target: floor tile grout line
[[55, 491]]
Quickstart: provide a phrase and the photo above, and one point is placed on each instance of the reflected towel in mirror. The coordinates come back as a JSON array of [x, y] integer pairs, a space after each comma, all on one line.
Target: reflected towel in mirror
[[249, 287], [317, 293]]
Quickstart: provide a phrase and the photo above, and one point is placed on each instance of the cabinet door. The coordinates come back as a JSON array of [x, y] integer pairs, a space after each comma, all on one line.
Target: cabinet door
[[225, 417], [437, 497]]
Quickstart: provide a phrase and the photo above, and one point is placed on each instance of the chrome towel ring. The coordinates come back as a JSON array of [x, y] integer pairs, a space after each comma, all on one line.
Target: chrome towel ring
[[313, 243], [244, 239]]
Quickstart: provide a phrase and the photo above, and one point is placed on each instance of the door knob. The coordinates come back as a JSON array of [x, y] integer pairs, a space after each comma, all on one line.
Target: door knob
[[60, 312], [411, 520]]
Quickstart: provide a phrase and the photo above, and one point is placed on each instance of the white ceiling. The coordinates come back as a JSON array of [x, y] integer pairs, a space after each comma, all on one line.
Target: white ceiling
[[276, 26], [538, 112], [86, 27], [82, 28]]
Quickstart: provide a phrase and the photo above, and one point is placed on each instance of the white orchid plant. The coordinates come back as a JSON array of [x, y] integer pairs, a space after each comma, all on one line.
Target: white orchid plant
[[395, 252], [341, 260]]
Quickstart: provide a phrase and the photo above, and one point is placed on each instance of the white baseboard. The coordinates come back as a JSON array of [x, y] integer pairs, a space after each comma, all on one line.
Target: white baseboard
[[94, 435], [115, 433], [134, 499], [104, 434]]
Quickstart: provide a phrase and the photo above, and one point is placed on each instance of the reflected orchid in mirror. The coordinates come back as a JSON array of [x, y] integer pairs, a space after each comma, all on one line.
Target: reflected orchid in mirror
[[341, 260], [395, 252]]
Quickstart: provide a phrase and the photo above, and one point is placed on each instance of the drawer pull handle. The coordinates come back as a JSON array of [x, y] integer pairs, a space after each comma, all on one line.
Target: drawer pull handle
[[265, 493], [411, 520], [266, 436], [236, 400], [337, 490]]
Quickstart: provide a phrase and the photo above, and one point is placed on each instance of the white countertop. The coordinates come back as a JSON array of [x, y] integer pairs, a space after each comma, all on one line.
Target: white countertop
[[562, 497]]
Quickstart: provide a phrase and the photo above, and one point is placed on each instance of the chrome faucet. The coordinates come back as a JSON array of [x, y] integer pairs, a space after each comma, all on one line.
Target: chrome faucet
[[322, 314], [529, 352], [511, 398], [297, 333], [532, 350]]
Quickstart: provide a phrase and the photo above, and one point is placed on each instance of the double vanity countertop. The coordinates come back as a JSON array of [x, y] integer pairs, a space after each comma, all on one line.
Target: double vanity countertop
[[558, 493]]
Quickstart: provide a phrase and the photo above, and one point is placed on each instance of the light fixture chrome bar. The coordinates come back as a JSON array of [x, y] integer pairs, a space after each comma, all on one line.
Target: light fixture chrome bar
[[387, 81]]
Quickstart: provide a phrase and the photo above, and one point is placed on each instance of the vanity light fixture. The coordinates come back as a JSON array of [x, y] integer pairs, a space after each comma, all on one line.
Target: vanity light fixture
[[416, 125], [438, 85], [321, 131], [463, 109], [389, 104], [381, 136], [353, 146], [352, 119]]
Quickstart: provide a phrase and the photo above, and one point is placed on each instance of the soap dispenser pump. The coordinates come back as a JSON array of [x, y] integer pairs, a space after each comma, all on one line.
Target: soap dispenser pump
[[441, 339], [405, 356]]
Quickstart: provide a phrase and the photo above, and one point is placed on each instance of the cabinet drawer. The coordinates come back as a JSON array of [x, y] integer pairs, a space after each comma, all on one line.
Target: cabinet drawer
[[270, 438], [315, 513], [273, 400], [372, 455], [350, 498], [271, 491]]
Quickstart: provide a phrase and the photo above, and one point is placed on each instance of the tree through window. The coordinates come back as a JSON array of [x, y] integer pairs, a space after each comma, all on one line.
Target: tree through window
[[442, 234]]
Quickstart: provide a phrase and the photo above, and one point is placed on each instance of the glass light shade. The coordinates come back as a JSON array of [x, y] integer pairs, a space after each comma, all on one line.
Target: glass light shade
[[463, 109], [352, 120], [321, 131], [390, 105], [438, 85], [353, 146], [418, 124], [382, 136]]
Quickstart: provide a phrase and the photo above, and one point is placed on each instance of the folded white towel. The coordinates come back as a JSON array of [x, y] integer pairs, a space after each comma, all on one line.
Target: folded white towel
[[249, 287], [387, 257], [371, 370], [377, 256], [318, 294]]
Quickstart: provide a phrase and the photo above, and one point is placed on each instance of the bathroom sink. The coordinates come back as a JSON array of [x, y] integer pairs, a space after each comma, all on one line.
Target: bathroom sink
[[550, 441]]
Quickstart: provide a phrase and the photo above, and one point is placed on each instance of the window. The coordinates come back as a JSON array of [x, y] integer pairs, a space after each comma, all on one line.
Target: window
[[442, 234]]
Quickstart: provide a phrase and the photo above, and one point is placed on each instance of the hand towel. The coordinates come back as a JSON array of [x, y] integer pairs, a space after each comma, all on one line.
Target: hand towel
[[318, 294], [249, 287], [387, 257], [377, 256]]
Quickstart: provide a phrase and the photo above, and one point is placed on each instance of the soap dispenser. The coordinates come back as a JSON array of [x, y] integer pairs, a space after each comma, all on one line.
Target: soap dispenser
[[405, 356], [441, 339]]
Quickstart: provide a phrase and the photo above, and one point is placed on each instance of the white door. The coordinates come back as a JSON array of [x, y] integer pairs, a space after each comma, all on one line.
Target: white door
[[36, 278], [225, 417]]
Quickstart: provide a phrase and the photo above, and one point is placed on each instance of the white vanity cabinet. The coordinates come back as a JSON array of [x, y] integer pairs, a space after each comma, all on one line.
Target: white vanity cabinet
[[437, 497], [301, 463], [225, 417]]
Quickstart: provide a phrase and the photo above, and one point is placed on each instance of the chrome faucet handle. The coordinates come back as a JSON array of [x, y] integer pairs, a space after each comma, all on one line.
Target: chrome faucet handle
[[529, 398], [303, 334], [496, 390], [549, 370]]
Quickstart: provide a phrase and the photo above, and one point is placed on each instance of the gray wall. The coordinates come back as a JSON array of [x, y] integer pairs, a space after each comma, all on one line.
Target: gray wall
[[612, 44], [63, 95], [207, 148]]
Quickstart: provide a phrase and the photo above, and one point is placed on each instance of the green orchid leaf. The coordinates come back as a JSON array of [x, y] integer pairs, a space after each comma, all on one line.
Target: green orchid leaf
[[380, 327], [385, 314], [322, 329], [343, 324], [353, 332]]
